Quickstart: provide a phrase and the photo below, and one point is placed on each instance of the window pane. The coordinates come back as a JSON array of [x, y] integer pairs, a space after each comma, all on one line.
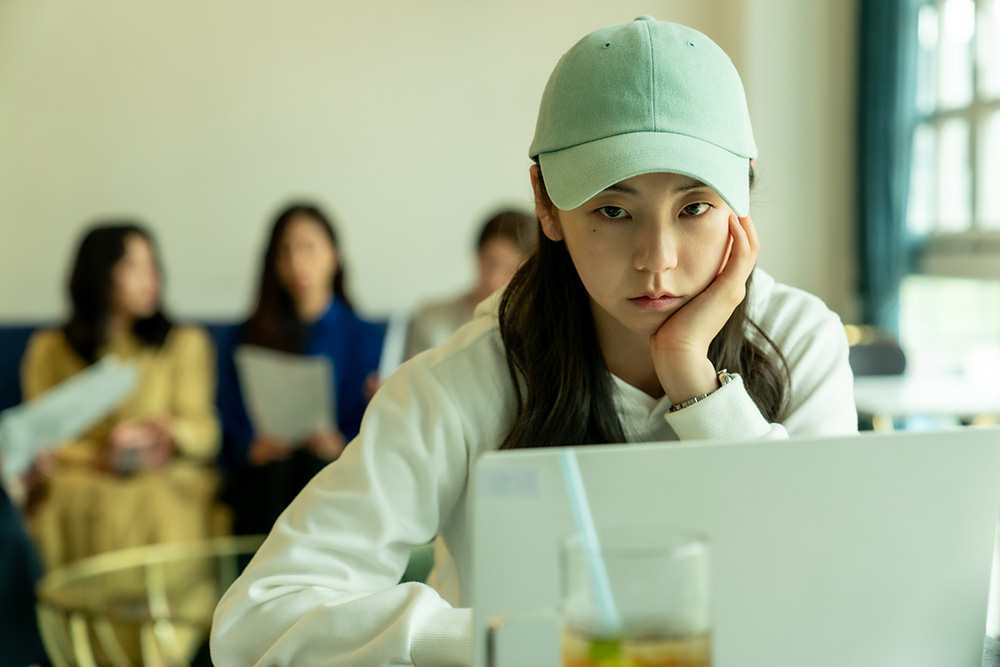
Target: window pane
[[920, 212], [950, 325], [988, 189], [958, 25], [927, 42], [953, 192], [988, 40]]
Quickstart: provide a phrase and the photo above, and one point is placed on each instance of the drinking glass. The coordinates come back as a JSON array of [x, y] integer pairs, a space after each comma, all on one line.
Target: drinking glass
[[640, 600]]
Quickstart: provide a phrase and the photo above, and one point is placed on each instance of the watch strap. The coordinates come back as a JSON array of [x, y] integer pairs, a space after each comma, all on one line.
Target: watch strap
[[725, 377]]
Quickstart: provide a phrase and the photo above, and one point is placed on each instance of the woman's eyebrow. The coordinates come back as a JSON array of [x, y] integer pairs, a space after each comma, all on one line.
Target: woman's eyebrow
[[686, 185], [691, 184], [619, 187]]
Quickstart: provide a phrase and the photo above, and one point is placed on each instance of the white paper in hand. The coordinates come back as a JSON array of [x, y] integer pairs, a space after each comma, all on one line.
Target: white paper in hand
[[65, 411], [287, 396]]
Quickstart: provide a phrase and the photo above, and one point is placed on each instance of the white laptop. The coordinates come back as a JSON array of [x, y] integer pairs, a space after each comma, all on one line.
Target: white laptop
[[869, 550]]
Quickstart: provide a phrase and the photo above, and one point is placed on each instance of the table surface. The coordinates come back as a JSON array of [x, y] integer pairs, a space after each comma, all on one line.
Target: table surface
[[941, 396]]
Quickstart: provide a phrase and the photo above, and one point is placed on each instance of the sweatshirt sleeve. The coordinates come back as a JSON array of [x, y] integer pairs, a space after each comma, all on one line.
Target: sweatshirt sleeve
[[727, 414], [322, 589], [820, 398], [822, 393]]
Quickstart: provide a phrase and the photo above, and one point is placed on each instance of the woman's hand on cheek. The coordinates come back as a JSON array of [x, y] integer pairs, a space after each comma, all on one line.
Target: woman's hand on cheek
[[680, 346]]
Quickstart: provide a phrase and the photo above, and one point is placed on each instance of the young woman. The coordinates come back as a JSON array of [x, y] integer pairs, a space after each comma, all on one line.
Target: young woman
[[301, 308], [503, 242], [639, 317], [144, 474]]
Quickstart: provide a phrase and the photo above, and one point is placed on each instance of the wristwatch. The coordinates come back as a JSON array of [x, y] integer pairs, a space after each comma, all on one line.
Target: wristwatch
[[725, 377]]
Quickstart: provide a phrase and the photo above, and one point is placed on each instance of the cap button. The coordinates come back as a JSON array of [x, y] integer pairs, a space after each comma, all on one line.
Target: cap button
[[645, 17]]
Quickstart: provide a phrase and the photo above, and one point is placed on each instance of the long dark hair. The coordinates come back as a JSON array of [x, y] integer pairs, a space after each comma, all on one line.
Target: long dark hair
[[90, 287], [275, 322], [563, 390]]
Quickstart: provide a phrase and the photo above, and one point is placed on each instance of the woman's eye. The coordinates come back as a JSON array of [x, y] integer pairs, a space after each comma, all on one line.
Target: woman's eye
[[696, 209], [613, 212]]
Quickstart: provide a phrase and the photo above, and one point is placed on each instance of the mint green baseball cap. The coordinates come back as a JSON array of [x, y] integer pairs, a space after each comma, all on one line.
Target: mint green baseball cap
[[641, 97]]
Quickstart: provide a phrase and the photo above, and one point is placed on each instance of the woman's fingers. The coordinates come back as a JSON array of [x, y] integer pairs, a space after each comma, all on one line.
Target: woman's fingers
[[680, 346], [748, 233], [744, 249], [729, 287], [701, 319]]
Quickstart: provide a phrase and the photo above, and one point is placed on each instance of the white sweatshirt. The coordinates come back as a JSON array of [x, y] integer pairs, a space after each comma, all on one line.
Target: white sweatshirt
[[322, 589]]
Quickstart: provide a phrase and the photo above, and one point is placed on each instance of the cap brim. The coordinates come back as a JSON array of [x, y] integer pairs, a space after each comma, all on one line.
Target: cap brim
[[574, 175]]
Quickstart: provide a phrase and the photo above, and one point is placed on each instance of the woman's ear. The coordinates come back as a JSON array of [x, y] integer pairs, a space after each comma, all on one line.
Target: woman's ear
[[544, 208]]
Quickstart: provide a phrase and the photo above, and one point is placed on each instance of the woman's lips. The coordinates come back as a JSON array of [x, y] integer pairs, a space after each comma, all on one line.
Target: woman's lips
[[655, 302]]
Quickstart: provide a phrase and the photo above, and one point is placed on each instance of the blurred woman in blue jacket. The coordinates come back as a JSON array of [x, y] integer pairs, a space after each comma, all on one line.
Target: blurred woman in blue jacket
[[302, 309]]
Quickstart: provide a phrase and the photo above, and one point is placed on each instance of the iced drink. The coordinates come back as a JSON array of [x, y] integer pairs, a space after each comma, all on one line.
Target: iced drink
[[639, 599], [580, 651]]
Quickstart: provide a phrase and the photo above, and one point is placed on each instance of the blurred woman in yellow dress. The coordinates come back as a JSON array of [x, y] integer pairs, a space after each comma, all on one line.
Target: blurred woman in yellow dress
[[144, 475]]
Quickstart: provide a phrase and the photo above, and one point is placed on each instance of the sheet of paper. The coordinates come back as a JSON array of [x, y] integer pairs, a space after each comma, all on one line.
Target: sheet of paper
[[393, 345], [287, 396], [65, 411]]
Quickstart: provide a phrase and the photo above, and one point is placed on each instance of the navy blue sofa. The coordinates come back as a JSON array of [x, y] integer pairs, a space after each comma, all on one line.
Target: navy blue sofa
[[14, 339]]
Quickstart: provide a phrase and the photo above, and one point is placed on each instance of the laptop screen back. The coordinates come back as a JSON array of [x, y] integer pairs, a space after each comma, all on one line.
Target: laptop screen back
[[858, 550]]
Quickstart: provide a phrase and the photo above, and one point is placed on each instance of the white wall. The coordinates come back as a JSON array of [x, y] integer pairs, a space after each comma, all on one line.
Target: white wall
[[408, 121], [799, 66]]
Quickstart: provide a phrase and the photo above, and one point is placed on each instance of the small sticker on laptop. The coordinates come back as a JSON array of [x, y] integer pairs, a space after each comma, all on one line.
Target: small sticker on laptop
[[516, 482]]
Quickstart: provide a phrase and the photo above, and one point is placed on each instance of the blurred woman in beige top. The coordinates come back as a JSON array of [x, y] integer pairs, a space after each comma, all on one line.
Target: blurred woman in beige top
[[144, 474]]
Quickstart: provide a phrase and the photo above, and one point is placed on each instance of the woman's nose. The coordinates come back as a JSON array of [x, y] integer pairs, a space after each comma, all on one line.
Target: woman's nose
[[656, 249], [297, 262]]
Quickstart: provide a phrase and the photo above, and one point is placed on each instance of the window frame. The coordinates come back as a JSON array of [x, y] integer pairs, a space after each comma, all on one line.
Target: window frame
[[975, 252]]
